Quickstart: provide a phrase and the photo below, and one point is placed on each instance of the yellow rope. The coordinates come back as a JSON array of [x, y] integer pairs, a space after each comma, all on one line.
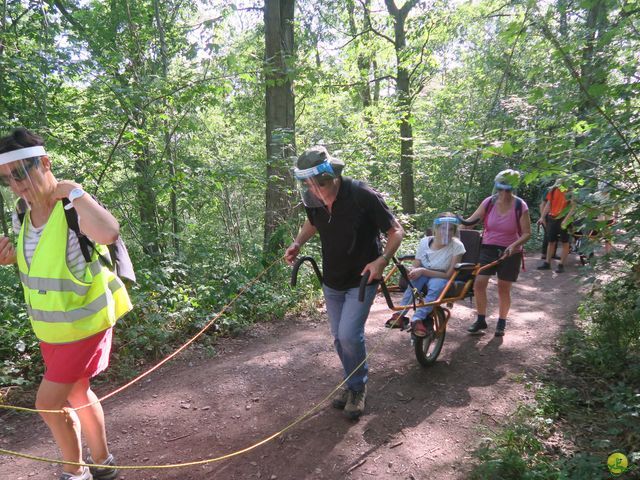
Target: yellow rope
[[158, 365], [223, 457]]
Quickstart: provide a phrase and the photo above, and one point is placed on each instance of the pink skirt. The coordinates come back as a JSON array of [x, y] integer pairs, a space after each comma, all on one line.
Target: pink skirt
[[69, 362]]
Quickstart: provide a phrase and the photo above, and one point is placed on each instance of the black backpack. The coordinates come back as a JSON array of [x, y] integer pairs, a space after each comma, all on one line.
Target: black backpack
[[120, 262]]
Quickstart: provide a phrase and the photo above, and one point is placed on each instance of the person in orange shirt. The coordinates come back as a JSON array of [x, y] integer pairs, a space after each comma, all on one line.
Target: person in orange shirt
[[555, 218]]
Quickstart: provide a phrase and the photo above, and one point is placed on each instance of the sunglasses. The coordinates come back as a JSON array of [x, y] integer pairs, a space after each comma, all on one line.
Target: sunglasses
[[324, 183], [19, 173]]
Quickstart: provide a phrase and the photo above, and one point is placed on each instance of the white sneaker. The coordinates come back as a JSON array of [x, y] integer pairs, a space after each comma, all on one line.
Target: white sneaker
[[104, 473], [84, 475]]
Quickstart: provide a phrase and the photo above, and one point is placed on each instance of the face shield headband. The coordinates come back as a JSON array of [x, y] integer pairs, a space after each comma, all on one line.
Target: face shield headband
[[502, 186], [313, 183], [324, 167], [15, 174], [30, 154], [21, 154], [446, 228]]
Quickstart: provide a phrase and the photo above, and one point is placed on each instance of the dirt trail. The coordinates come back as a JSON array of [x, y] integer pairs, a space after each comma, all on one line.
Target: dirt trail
[[419, 423]]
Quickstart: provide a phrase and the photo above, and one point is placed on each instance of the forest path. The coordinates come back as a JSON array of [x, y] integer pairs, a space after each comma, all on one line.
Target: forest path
[[419, 423]]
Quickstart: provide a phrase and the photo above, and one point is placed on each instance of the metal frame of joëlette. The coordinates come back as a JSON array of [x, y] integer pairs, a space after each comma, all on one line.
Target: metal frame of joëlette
[[474, 268]]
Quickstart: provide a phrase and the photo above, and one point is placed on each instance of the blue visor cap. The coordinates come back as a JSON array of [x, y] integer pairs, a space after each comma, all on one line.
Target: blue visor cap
[[442, 220], [503, 186], [324, 167]]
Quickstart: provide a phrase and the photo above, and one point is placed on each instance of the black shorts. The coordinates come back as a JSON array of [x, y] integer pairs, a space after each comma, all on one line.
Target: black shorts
[[507, 270], [555, 230]]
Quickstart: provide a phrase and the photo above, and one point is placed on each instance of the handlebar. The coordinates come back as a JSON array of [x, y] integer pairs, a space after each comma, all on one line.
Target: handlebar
[[467, 224], [296, 267], [363, 286], [363, 281]]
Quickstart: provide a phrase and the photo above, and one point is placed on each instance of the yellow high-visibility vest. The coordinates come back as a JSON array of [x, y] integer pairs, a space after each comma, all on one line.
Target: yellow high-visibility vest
[[61, 307]]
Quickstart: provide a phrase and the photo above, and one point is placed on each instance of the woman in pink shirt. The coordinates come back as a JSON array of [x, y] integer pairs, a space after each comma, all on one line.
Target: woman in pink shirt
[[507, 227]]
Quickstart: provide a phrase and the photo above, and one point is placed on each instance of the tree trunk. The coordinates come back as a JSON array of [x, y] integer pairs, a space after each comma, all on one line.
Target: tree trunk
[[280, 118], [168, 150], [363, 59], [562, 9], [145, 192], [147, 201], [403, 87], [593, 67]]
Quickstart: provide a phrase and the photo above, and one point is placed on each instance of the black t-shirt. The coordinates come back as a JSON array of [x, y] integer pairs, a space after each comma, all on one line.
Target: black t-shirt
[[350, 235]]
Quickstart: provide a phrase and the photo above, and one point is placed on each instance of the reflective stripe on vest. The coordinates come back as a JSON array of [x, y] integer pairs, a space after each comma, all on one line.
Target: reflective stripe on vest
[[58, 285], [61, 307], [79, 313]]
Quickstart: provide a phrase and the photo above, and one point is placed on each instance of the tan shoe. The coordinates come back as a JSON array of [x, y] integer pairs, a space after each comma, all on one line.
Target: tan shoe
[[355, 404], [341, 398]]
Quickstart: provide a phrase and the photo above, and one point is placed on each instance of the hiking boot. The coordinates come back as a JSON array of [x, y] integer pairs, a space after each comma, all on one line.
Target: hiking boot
[[544, 266], [341, 398], [477, 326], [355, 404], [502, 323], [84, 475], [100, 473], [419, 329], [560, 268]]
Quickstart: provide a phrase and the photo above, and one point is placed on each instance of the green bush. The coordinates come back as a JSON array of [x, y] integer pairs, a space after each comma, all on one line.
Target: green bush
[[597, 390], [613, 318], [19, 350]]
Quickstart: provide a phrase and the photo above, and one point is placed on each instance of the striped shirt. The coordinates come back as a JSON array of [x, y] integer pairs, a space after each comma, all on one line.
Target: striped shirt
[[75, 259]]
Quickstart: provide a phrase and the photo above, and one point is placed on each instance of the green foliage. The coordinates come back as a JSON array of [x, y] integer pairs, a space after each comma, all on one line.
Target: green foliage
[[515, 452], [19, 351], [613, 317], [593, 403]]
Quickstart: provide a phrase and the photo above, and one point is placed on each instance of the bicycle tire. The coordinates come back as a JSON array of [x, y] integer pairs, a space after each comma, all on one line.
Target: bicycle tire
[[429, 347]]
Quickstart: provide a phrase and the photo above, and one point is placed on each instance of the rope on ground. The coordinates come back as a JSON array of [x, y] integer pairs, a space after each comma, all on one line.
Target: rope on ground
[[295, 422], [66, 410]]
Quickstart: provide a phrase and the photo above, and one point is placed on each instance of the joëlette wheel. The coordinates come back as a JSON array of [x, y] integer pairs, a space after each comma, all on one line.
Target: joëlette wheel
[[428, 348]]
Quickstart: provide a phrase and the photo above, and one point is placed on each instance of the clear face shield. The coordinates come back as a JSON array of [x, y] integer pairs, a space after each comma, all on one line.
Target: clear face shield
[[20, 176], [315, 184], [502, 187], [445, 228]]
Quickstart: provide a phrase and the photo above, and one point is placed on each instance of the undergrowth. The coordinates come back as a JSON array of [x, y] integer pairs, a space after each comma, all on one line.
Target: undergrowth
[[586, 407]]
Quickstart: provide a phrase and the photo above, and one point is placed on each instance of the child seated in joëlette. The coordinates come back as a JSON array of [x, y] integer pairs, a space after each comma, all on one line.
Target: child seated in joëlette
[[434, 263]]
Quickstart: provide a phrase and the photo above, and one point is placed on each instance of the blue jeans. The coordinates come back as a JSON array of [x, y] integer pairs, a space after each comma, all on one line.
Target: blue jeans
[[434, 289], [347, 316]]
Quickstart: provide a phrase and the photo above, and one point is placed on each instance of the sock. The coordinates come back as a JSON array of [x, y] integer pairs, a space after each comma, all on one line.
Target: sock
[[481, 318], [503, 320]]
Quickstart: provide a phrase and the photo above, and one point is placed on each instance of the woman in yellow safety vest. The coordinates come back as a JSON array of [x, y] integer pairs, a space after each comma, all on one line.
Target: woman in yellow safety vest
[[72, 303]]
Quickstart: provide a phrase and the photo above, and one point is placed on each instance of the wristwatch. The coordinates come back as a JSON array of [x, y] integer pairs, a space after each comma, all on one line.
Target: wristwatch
[[75, 194]]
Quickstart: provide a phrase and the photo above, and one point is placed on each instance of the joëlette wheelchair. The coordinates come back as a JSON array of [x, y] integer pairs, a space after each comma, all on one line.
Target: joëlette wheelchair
[[458, 287]]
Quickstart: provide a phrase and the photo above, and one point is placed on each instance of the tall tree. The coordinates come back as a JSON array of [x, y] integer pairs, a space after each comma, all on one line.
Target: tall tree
[[403, 90], [279, 116]]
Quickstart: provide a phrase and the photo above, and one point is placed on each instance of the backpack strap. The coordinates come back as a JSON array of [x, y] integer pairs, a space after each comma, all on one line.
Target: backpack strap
[[487, 211], [116, 250], [518, 214], [356, 187], [86, 245]]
